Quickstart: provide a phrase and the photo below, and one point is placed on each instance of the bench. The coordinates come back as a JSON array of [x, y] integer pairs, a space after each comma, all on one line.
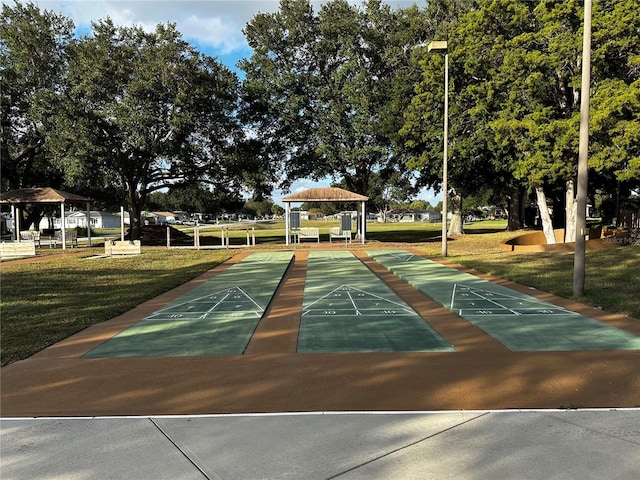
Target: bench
[[118, 247], [71, 236], [337, 232], [17, 249], [30, 236], [306, 233]]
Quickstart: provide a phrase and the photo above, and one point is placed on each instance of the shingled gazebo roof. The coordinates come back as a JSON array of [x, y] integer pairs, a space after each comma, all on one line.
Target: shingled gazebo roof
[[329, 194], [24, 196], [41, 195]]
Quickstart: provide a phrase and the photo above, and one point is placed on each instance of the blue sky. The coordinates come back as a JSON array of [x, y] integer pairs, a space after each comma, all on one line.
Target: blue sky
[[212, 26]]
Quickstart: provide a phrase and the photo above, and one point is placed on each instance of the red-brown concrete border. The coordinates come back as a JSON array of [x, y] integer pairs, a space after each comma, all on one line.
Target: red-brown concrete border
[[271, 377]]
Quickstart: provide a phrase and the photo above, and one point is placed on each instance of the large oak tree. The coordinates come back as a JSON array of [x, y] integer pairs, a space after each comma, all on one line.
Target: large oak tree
[[142, 111], [325, 90], [32, 65], [515, 99]]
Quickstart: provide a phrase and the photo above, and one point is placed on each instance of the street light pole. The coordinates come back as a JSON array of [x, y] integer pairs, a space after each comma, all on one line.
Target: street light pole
[[442, 45], [579, 258]]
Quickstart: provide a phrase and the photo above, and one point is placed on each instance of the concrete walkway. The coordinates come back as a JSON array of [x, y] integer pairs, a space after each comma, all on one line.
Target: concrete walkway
[[137, 418], [457, 445]]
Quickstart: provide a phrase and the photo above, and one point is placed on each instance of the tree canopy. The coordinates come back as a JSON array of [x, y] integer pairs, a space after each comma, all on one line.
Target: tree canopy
[[142, 111], [326, 89], [515, 96], [32, 64], [346, 91]]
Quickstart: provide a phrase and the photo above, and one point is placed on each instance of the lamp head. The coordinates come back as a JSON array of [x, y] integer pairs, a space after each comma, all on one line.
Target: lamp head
[[437, 45]]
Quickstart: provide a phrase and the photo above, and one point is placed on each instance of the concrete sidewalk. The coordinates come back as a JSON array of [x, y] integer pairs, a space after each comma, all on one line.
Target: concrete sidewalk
[[545, 444]]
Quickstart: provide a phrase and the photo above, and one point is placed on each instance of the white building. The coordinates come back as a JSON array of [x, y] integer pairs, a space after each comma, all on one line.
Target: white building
[[419, 216], [160, 217], [79, 219]]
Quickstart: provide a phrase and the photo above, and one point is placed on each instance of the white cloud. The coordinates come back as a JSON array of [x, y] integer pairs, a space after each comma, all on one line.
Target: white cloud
[[212, 24], [212, 31]]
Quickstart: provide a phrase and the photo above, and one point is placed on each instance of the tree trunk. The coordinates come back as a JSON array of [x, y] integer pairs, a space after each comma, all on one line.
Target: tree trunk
[[571, 210], [515, 209], [134, 222], [455, 226], [135, 212], [547, 225], [32, 221], [524, 200]]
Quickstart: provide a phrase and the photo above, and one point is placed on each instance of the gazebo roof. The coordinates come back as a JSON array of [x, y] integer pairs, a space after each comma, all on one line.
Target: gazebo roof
[[41, 195], [329, 194]]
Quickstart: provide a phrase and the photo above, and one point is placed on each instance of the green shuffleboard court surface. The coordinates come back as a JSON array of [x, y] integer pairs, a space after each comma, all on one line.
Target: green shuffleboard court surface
[[519, 321], [346, 308], [215, 318]]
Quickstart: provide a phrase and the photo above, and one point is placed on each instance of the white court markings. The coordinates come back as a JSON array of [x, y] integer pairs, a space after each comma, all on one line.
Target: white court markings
[[348, 300], [233, 301], [403, 257], [469, 301]]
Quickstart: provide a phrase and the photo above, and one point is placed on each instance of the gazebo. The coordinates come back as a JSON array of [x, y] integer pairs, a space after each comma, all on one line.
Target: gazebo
[[18, 198], [329, 194]]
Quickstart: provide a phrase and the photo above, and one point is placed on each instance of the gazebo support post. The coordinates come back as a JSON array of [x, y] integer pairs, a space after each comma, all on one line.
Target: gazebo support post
[[364, 221], [15, 214], [287, 207], [88, 223], [122, 223], [64, 227]]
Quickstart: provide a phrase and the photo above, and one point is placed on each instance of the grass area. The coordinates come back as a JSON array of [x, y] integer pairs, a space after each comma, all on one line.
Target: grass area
[[48, 300], [611, 275]]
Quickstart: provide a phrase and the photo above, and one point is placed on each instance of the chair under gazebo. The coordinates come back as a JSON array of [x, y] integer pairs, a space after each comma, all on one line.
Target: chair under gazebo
[[47, 195], [329, 194]]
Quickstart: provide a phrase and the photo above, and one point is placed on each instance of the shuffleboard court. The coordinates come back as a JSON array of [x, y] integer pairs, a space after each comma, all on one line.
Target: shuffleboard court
[[346, 308], [215, 318], [519, 321]]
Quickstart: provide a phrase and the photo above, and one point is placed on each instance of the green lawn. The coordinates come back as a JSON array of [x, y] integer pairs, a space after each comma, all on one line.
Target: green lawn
[[611, 275], [46, 301], [49, 300]]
